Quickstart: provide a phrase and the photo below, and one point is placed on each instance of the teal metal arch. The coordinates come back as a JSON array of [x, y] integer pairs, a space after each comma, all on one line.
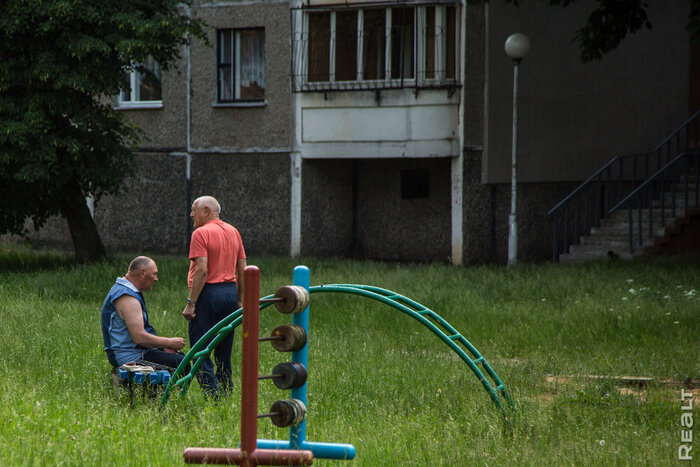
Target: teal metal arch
[[427, 317]]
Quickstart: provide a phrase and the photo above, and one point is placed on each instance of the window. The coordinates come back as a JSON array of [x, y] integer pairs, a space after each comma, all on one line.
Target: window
[[144, 87], [402, 64], [371, 48], [319, 46], [240, 65], [374, 45], [415, 183]]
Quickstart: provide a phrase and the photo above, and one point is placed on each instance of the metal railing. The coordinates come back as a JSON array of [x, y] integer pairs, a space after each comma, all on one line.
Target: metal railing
[[597, 197], [674, 187]]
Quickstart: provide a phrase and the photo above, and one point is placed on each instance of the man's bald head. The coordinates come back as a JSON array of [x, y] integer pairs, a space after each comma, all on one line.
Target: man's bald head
[[143, 272], [138, 263], [210, 203], [204, 209]]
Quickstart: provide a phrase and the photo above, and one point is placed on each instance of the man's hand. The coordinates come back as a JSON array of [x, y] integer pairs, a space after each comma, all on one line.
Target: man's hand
[[176, 343], [188, 313]]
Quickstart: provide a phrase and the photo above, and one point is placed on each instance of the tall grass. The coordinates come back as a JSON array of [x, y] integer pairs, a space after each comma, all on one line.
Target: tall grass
[[377, 379]]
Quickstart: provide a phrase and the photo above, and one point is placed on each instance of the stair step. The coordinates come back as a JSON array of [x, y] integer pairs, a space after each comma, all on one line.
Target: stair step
[[577, 255], [611, 242], [622, 230]]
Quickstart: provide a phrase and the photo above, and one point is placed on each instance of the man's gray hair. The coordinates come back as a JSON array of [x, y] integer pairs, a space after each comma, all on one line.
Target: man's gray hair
[[210, 202], [138, 263]]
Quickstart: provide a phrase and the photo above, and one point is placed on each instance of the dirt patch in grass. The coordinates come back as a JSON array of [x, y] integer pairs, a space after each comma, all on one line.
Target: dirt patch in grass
[[635, 386]]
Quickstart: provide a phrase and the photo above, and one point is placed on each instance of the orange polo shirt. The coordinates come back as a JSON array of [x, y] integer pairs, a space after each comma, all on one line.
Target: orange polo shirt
[[221, 243]]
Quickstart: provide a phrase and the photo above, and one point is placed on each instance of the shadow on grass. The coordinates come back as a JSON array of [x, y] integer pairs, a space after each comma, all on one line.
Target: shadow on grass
[[17, 258]]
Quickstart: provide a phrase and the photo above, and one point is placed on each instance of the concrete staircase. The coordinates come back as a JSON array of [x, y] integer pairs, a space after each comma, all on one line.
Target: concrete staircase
[[611, 239]]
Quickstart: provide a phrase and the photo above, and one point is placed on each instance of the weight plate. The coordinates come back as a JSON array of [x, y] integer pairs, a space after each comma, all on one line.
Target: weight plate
[[294, 338]]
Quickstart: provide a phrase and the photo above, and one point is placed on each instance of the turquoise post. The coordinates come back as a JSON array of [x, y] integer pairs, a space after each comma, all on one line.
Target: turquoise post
[[297, 434]]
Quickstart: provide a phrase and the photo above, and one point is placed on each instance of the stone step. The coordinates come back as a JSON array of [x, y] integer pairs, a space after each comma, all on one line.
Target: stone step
[[580, 253], [621, 230], [616, 242]]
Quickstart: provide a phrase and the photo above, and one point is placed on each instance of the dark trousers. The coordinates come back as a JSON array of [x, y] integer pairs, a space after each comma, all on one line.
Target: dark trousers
[[169, 359], [215, 302]]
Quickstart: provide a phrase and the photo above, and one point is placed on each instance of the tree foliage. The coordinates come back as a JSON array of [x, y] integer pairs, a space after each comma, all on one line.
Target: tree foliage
[[60, 139]]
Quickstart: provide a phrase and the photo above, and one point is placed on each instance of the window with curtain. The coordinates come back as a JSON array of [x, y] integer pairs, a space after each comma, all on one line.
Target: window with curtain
[[240, 65]]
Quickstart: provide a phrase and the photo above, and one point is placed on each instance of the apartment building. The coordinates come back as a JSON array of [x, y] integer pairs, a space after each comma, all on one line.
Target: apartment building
[[382, 129]]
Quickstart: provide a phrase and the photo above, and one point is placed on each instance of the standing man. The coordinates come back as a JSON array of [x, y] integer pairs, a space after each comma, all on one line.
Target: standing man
[[215, 280], [126, 332]]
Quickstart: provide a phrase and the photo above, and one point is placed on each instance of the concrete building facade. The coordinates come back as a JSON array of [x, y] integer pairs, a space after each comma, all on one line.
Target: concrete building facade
[[382, 129]]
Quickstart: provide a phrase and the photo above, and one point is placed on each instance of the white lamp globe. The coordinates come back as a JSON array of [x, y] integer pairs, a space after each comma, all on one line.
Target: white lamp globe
[[517, 46]]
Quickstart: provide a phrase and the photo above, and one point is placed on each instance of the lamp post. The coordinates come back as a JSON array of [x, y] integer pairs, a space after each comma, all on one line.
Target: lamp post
[[517, 46]]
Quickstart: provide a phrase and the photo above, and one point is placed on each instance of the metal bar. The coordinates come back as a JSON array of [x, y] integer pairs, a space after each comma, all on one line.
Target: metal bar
[[629, 228], [596, 214], [619, 181], [606, 187], [297, 434], [674, 178], [686, 188], [565, 231], [373, 293], [555, 250], [249, 360], [663, 198], [577, 237], [640, 240], [697, 179], [651, 215], [587, 211]]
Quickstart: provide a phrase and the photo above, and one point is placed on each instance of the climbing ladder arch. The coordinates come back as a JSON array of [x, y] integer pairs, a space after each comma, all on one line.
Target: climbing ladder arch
[[431, 320]]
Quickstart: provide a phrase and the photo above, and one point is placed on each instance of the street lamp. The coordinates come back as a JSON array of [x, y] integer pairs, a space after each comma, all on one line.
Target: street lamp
[[517, 46]]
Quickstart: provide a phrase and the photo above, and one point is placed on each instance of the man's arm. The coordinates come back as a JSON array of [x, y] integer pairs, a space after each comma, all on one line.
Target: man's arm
[[199, 278], [240, 267], [130, 311]]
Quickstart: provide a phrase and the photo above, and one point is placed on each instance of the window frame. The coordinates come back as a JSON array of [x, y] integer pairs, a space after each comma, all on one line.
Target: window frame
[[417, 76], [234, 69], [135, 78]]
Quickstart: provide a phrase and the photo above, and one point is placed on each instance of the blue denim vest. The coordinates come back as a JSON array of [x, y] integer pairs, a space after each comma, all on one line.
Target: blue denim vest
[[119, 346]]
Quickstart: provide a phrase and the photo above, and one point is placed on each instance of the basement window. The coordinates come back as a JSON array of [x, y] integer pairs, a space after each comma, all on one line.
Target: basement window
[[415, 183]]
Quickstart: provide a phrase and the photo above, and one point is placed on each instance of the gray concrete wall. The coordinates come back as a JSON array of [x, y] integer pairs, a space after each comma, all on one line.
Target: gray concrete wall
[[372, 220], [152, 213], [573, 117], [393, 228], [239, 127], [486, 211], [165, 127], [327, 207], [254, 192]]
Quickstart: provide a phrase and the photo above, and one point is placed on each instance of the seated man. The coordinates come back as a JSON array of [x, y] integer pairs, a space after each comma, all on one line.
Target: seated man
[[127, 334]]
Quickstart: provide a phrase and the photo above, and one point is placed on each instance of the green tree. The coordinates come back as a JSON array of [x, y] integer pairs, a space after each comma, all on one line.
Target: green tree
[[60, 139]]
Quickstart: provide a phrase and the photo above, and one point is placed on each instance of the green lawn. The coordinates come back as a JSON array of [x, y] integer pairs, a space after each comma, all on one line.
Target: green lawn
[[377, 379]]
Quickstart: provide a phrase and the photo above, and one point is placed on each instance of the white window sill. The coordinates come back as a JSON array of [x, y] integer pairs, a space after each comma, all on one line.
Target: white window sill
[[241, 104], [139, 105]]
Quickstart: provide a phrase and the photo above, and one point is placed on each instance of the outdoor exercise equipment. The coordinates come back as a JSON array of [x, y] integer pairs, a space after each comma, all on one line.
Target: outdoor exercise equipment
[[288, 412], [287, 338], [283, 413], [288, 300], [287, 375]]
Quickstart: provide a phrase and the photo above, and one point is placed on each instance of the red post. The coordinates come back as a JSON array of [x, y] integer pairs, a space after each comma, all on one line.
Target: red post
[[249, 366], [249, 455]]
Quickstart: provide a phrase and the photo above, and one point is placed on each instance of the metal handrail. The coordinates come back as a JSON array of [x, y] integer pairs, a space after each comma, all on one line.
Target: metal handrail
[[668, 177], [590, 202]]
